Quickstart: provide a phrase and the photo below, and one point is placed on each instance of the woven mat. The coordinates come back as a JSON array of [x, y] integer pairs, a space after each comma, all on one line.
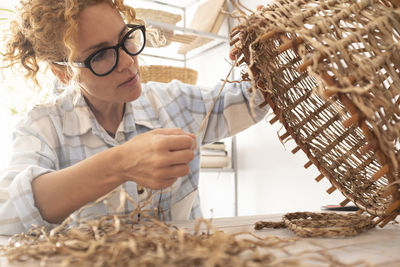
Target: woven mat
[[310, 224]]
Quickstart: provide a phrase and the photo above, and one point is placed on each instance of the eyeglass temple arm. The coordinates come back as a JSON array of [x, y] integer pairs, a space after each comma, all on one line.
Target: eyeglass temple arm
[[76, 64]]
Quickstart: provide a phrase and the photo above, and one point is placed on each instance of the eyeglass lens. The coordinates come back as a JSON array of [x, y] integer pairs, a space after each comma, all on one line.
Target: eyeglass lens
[[105, 60]]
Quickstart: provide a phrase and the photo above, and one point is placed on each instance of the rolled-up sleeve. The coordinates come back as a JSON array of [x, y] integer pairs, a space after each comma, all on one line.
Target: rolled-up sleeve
[[31, 157]]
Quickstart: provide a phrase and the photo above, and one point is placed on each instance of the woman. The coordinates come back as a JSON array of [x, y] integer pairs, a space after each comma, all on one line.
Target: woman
[[109, 131]]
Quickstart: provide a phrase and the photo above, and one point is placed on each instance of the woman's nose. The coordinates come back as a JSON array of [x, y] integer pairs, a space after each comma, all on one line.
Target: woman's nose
[[125, 60]]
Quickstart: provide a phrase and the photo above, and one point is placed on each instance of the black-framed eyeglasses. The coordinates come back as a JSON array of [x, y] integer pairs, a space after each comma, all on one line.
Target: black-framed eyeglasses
[[104, 61]]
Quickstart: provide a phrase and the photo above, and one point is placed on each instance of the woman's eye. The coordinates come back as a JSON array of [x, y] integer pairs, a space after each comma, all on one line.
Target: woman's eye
[[99, 56]]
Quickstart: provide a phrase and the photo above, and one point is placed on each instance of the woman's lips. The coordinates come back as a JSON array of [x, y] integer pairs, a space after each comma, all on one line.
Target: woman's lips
[[132, 80]]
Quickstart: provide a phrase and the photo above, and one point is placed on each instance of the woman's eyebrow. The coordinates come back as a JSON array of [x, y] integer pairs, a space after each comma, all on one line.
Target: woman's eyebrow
[[102, 44]]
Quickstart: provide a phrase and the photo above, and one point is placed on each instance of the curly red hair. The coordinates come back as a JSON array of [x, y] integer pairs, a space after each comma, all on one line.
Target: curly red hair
[[45, 31]]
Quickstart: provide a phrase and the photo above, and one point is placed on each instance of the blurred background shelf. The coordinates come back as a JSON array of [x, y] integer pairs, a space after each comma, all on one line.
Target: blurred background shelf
[[230, 170], [186, 39]]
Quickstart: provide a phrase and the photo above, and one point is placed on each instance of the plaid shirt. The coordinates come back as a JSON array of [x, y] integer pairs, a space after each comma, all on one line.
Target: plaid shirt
[[55, 136]]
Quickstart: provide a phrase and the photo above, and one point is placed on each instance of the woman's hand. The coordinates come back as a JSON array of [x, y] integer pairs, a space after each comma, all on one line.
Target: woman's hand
[[157, 158]]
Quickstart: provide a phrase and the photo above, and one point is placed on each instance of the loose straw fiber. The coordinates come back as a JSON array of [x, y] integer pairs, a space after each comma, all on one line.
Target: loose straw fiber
[[133, 240], [330, 72]]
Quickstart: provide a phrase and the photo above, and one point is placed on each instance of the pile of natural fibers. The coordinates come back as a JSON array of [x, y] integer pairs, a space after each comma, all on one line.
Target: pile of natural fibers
[[133, 240], [330, 72]]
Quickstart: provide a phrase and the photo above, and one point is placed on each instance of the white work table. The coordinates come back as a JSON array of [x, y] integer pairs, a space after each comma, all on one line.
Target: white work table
[[377, 247]]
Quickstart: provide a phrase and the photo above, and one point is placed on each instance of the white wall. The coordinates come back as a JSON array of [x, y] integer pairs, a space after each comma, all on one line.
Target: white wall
[[272, 179]]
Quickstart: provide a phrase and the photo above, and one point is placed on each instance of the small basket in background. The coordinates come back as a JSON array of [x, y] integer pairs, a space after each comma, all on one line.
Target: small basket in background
[[165, 74]]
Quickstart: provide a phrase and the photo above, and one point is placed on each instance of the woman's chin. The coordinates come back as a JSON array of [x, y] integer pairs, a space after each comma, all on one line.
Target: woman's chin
[[136, 92]]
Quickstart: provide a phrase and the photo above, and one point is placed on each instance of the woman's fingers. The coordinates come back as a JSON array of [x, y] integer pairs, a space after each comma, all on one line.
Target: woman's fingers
[[160, 184], [157, 158], [176, 157], [178, 142], [175, 139], [167, 174], [165, 177]]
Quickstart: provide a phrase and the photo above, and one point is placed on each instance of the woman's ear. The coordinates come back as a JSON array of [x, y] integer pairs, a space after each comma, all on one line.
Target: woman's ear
[[61, 74]]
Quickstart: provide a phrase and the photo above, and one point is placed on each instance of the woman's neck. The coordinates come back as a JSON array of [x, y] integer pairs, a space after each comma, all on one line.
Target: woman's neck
[[109, 115]]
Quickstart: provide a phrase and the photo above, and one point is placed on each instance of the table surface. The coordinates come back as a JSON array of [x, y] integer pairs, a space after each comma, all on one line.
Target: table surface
[[375, 247]]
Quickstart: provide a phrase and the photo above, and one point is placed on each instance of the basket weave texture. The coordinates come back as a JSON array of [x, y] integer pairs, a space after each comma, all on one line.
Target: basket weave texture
[[330, 72], [309, 224], [165, 74]]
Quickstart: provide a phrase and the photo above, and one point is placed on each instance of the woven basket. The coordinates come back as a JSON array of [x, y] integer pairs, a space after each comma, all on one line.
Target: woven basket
[[165, 74], [159, 16], [330, 72]]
